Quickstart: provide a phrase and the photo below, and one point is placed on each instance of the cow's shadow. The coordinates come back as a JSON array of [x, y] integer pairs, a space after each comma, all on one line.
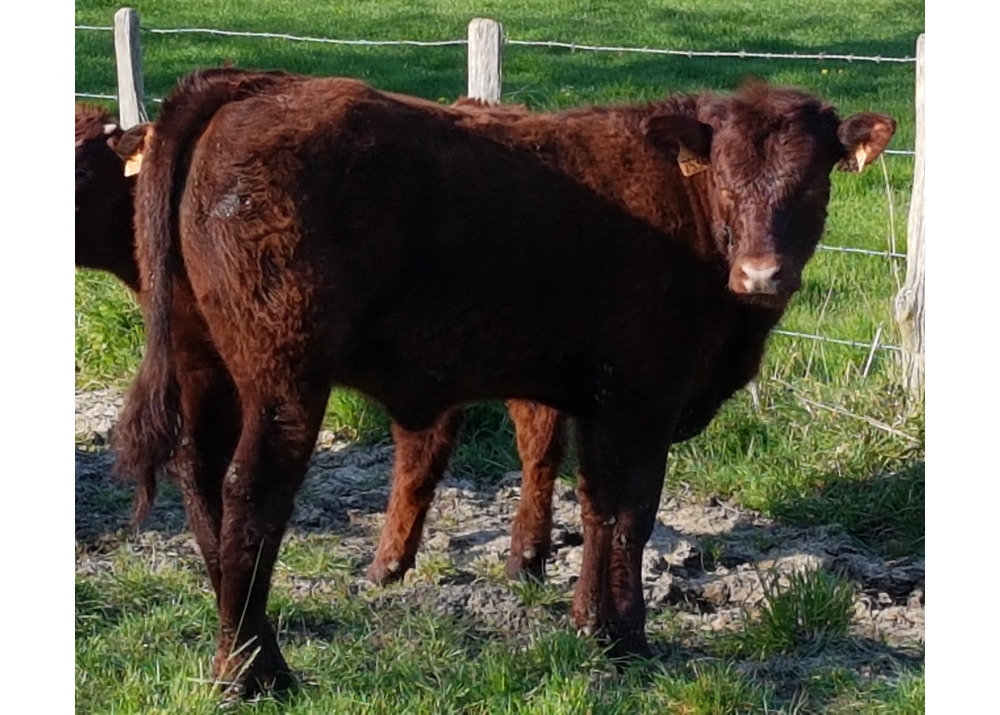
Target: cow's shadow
[[346, 492]]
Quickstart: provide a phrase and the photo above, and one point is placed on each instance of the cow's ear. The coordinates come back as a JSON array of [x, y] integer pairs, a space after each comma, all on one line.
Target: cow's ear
[[690, 139], [864, 136], [130, 145]]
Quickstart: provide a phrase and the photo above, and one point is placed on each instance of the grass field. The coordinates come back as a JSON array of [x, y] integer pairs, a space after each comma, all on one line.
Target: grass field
[[830, 441]]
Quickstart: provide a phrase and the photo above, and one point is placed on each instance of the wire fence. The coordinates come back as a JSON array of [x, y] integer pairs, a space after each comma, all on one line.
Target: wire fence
[[890, 254], [742, 54], [573, 46]]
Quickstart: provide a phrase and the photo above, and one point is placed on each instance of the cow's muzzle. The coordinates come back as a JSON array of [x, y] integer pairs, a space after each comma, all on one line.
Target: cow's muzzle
[[762, 275]]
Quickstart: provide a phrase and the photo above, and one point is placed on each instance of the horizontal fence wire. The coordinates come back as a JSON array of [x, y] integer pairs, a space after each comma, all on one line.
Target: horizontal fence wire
[[862, 251], [742, 54], [526, 43], [838, 341], [300, 38], [283, 36], [114, 97], [711, 53]]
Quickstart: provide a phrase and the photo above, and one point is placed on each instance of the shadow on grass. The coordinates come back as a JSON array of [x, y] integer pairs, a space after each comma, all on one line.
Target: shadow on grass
[[885, 513], [549, 650]]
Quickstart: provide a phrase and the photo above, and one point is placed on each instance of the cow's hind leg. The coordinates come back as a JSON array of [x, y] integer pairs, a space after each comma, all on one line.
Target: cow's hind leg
[[278, 435], [621, 476], [211, 431], [541, 443], [420, 462]]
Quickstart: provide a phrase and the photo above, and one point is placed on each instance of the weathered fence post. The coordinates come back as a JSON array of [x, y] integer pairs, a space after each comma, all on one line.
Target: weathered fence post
[[485, 70], [910, 299], [129, 56]]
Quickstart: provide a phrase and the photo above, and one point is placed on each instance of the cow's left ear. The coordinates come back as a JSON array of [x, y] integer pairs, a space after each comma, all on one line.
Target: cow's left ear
[[129, 146], [864, 136], [689, 138]]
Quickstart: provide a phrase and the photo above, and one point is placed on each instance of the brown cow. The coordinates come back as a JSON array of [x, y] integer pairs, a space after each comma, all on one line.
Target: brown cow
[[621, 265], [105, 241]]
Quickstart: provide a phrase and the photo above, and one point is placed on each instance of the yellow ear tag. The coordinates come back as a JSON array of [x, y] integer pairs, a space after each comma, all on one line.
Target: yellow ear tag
[[860, 158], [689, 162], [133, 164]]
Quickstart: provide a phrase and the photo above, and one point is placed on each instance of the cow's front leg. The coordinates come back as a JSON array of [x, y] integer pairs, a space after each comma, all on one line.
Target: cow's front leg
[[420, 462], [541, 443], [621, 476]]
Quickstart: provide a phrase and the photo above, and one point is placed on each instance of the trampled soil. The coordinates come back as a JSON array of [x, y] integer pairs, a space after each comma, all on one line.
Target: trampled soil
[[705, 561]]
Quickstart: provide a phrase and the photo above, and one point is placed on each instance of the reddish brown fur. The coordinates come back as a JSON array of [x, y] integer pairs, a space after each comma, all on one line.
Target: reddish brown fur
[[105, 241], [429, 256]]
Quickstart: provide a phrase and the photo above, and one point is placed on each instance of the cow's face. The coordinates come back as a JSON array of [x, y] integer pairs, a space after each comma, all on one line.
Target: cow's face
[[103, 192], [767, 155], [96, 161]]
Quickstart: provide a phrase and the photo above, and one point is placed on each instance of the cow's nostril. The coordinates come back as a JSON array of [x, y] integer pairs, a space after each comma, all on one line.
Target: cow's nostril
[[760, 278]]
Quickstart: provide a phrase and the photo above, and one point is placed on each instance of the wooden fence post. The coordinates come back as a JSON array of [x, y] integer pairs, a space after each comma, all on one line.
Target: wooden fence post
[[485, 69], [129, 57], [910, 299]]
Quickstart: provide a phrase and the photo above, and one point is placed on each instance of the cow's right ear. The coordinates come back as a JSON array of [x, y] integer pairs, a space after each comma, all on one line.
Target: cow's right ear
[[690, 139], [130, 145], [864, 137]]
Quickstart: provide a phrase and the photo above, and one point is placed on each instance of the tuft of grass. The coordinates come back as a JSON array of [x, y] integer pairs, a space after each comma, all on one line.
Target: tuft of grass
[[714, 688], [811, 613], [355, 416], [900, 694], [433, 567], [537, 593], [487, 446]]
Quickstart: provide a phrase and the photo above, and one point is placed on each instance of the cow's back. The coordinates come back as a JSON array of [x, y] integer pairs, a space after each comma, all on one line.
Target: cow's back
[[442, 260]]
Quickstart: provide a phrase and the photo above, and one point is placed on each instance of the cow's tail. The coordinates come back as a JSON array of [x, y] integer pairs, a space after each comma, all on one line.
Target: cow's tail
[[148, 431]]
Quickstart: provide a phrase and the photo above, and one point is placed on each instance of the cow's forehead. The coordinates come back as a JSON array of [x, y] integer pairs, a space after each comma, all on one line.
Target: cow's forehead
[[781, 153]]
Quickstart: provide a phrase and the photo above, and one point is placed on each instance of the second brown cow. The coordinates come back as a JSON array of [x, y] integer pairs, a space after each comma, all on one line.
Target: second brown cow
[[105, 240], [621, 265]]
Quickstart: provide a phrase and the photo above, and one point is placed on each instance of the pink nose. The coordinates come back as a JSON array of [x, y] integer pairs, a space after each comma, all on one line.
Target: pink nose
[[756, 276]]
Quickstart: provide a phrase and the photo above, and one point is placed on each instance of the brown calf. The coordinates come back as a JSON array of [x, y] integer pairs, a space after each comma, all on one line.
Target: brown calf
[[105, 240], [621, 265]]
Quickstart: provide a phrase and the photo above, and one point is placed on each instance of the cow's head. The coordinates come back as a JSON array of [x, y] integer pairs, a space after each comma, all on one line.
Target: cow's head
[[766, 155], [104, 238]]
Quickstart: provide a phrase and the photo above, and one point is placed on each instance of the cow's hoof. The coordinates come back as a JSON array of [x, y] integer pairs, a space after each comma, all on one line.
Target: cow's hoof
[[626, 645], [253, 673], [526, 564], [249, 687], [386, 571]]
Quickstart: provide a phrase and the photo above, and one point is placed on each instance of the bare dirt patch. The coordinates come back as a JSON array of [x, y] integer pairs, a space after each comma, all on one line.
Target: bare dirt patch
[[705, 567]]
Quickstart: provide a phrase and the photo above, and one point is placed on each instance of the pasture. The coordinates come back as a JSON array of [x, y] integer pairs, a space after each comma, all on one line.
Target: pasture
[[823, 470]]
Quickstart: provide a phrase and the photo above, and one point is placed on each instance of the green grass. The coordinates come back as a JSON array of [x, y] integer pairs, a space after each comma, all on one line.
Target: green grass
[[144, 627], [812, 612], [109, 332], [832, 442]]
